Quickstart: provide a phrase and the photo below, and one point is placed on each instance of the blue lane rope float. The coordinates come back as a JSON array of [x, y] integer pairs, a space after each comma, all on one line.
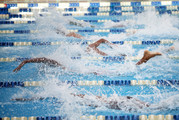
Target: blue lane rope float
[[17, 22], [117, 13], [127, 13], [136, 9], [20, 21], [18, 31], [22, 11], [77, 30], [33, 21], [30, 15], [97, 21], [152, 42], [101, 117], [93, 9], [104, 58], [92, 4], [111, 12], [114, 58], [95, 83], [104, 30]]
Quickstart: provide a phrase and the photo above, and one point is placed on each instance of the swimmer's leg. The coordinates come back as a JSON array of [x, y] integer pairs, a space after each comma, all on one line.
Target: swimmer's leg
[[38, 60], [148, 55]]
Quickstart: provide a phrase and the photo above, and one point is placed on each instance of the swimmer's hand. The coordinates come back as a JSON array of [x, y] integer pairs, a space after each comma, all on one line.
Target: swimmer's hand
[[20, 66]]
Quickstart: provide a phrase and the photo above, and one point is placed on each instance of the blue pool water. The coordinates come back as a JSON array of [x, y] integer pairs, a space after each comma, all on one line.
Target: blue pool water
[[58, 99]]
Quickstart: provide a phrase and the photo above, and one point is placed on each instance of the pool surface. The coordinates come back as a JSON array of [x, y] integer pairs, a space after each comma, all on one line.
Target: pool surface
[[91, 86]]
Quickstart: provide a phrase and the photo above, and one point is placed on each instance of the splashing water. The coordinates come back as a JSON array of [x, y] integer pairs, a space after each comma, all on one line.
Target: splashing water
[[74, 107], [158, 25]]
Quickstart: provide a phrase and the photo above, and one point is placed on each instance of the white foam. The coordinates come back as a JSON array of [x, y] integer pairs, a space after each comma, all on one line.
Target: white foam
[[157, 25], [111, 24]]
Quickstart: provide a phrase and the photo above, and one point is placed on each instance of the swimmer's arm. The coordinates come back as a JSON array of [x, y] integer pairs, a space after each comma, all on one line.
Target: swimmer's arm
[[39, 60], [100, 41], [97, 51], [97, 43], [100, 52], [72, 34]]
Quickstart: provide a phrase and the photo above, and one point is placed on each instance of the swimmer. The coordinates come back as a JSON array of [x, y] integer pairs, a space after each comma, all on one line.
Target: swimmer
[[60, 23], [114, 103], [117, 102], [75, 35], [146, 56], [63, 31]]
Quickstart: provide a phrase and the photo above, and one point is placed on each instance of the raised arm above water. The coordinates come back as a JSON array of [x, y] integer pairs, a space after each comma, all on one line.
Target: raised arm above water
[[39, 60]]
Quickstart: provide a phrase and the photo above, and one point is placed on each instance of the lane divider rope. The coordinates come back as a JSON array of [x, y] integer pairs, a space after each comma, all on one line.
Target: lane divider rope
[[17, 31], [95, 83], [16, 22], [104, 30], [152, 42], [21, 21], [114, 58], [116, 13], [105, 58], [101, 117], [92, 4], [77, 30], [127, 13], [92, 9]]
